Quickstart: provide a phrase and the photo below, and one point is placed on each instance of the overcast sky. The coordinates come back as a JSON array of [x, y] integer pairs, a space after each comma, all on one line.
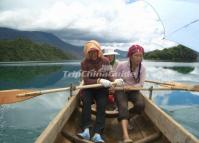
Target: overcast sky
[[116, 23]]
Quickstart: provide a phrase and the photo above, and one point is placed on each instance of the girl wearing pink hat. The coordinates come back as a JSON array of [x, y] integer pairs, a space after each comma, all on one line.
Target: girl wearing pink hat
[[133, 73]]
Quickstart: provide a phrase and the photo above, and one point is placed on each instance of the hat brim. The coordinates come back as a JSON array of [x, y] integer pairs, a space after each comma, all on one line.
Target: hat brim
[[111, 53]]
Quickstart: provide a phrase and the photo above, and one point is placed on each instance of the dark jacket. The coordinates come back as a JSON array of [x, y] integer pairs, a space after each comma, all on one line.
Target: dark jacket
[[93, 70]]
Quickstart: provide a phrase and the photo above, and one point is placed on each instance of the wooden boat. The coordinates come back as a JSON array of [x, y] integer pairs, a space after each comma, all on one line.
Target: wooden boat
[[154, 126]]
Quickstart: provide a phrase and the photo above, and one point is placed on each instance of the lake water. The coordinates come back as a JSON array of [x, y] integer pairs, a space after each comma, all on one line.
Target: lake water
[[24, 121]]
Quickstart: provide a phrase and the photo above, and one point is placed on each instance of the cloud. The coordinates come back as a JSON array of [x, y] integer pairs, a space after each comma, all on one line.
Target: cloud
[[116, 23]]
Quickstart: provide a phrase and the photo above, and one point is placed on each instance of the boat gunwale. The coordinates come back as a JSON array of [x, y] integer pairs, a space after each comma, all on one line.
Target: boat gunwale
[[55, 126], [174, 132]]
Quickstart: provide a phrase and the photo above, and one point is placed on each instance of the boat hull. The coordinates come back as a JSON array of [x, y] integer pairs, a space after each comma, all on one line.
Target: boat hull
[[154, 126]]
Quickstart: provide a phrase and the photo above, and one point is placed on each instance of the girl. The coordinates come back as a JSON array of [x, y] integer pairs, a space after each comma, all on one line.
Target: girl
[[133, 73]]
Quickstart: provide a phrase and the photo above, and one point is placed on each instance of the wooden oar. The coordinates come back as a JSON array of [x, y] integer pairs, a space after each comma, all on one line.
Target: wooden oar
[[176, 85], [10, 96], [17, 95], [129, 88]]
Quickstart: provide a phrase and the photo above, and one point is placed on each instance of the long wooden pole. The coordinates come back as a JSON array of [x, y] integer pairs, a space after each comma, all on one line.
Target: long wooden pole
[[156, 88], [12, 96], [18, 95], [36, 93], [176, 85]]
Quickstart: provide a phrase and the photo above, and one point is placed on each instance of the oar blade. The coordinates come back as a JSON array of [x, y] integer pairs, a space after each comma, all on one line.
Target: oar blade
[[176, 85], [183, 86], [10, 96], [195, 88], [179, 85], [170, 84]]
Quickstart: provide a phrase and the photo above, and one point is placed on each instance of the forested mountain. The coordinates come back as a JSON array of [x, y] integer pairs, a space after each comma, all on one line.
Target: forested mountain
[[178, 54], [26, 50], [41, 38]]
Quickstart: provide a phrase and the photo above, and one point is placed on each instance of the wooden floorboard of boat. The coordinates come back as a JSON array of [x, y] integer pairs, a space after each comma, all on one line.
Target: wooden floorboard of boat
[[161, 139], [62, 139], [143, 130], [145, 125], [135, 133]]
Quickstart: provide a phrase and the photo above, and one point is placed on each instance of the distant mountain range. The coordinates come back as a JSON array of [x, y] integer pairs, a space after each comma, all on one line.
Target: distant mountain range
[[123, 54], [42, 38], [178, 53], [47, 38]]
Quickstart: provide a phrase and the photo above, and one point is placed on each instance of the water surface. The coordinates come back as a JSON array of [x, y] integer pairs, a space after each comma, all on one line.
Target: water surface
[[24, 121]]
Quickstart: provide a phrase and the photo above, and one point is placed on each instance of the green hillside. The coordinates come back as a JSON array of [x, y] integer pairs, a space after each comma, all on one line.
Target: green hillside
[[25, 50], [178, 54], [41, 37]]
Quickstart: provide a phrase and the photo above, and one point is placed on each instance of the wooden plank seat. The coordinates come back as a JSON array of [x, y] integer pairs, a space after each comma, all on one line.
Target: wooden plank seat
[[111, 112]]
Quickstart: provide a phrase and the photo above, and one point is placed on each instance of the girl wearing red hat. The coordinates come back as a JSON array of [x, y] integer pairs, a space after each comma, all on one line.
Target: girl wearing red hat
[[133, 73]]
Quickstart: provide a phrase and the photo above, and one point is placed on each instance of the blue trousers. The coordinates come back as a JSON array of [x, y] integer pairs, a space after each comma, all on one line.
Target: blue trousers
[[99, 95]]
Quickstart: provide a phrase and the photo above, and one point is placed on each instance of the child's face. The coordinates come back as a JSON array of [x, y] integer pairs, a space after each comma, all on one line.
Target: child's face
[[110, 57], [93, 54]]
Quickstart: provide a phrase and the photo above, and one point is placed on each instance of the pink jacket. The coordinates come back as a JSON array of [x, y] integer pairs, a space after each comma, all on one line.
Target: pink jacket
[[123, 71]]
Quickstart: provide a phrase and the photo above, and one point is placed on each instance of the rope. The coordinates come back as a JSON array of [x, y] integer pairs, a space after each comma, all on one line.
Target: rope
[[158, 17]]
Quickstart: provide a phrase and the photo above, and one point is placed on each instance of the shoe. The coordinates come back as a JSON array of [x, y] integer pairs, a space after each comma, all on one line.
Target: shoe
[[85, 134], [97, 138]]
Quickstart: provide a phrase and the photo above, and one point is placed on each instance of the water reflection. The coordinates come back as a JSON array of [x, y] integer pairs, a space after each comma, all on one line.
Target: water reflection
[[26, 120], [15, 77], [183, 70], [35, 76], [177, 98], [183, 106]]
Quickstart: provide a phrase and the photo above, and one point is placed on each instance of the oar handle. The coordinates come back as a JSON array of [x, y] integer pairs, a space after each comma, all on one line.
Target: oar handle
[[91, 86], [37, 93]]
